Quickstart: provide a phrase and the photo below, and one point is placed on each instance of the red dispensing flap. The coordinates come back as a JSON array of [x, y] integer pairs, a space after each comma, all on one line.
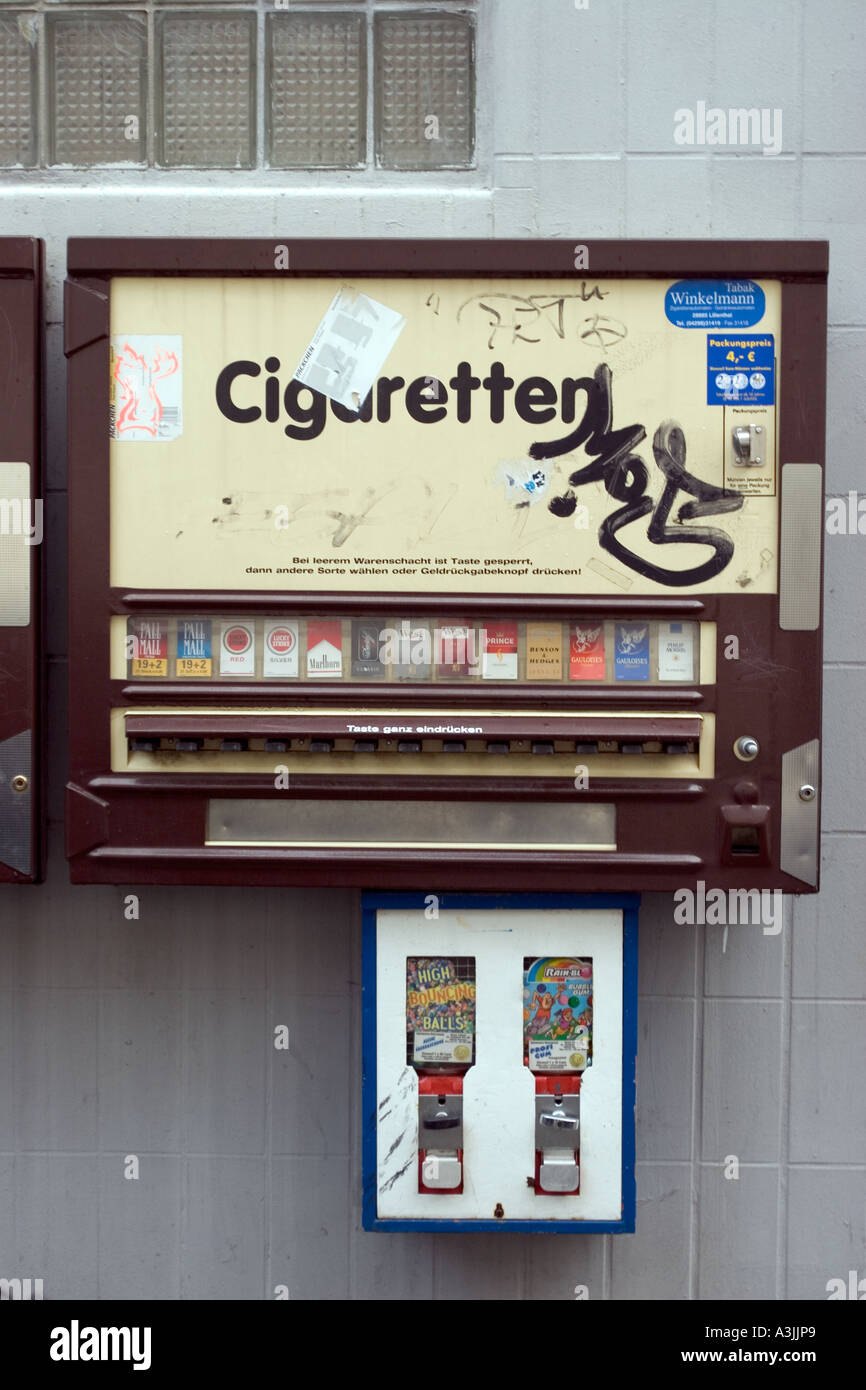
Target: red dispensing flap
[[440, 1085], [563, 1083]]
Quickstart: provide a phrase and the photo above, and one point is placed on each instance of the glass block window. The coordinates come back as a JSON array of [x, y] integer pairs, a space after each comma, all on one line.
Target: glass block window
[[17, 91], [208, 79], [424, 103], [316, 80], [98, 84], [265, 85]]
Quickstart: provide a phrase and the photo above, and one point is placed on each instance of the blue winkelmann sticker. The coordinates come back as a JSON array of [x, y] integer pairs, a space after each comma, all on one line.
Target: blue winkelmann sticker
[[714, 304], [631, 652], [740, 370]]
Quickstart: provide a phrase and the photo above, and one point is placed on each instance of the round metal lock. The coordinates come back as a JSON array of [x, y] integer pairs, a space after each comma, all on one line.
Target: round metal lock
[[20, 783], [746, 748], [807, 792]]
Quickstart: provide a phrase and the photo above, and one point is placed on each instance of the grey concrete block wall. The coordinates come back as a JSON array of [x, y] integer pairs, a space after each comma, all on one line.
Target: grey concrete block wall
[[153, 1039]]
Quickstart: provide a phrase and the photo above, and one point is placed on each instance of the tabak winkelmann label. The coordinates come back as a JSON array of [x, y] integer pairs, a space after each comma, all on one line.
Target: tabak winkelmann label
[[440, 1011], [557, 1013]]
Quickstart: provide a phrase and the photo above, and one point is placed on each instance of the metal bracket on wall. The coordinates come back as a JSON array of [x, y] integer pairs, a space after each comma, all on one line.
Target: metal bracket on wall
[[800, 824], [16, 797]]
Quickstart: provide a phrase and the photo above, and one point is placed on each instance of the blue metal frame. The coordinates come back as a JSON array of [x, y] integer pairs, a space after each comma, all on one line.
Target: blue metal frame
[[628, 904]]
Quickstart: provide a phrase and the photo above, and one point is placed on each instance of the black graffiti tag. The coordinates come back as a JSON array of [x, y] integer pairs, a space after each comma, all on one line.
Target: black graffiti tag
[[625, 478]]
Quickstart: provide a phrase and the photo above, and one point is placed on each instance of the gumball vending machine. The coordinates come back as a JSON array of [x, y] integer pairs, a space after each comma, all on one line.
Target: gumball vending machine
[[440, 1045], [557, 1030], [499, 1061]]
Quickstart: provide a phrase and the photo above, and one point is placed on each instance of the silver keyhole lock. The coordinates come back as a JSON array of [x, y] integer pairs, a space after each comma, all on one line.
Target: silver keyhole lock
[[20, 783], [807, 792], [746, 748]]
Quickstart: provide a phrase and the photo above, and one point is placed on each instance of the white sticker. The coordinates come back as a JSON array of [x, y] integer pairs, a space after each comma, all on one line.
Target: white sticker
[[237, 650], [349, 347], [499, 666], [676, 652], [281, 649], [442, 1047], [525, 482], [146, 387], [563, 1054]]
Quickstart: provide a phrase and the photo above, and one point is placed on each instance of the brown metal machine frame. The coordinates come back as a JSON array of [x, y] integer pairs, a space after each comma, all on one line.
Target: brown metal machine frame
[[130, 827], [20, 653]]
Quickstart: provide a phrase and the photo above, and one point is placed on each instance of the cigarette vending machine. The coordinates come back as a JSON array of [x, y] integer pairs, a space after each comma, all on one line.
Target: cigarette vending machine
[[494, 564], [21, 534]]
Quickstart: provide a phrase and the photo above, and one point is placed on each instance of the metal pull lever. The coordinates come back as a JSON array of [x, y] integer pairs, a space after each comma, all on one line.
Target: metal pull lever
[[440, 1137], [557, 1127]]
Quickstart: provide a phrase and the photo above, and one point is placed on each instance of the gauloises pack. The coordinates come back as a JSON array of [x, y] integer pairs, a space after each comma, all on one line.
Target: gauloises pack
[[587, 652], [459, 563]]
